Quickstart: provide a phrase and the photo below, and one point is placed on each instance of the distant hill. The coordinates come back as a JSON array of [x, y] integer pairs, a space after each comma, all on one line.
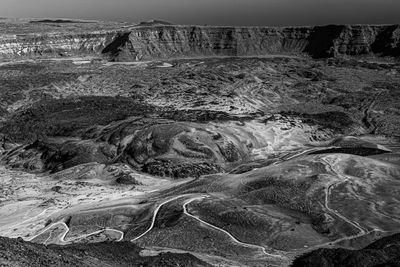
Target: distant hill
[[154, 23], [59, 21]]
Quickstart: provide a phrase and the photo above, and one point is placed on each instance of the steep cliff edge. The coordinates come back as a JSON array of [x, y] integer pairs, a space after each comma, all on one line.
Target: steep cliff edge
[[319, 42], [54, 44], [154, 42]]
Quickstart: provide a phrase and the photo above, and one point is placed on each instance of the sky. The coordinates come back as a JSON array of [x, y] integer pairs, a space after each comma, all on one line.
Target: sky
[[212, 12]]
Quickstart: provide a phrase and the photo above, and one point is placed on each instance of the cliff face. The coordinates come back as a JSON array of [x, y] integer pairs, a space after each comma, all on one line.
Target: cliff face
[[92, 43], [359, 40], [180, 41], [325, 41], [144, 43]]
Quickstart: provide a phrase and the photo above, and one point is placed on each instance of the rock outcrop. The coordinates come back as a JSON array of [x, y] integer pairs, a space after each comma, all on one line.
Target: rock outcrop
[[171, 41]]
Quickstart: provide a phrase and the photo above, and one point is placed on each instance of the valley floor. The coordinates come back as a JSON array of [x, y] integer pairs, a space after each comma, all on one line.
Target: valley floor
[[248, 161]]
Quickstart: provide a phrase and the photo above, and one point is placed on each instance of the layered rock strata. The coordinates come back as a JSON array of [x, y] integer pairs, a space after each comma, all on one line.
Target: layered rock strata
[[154, 42]]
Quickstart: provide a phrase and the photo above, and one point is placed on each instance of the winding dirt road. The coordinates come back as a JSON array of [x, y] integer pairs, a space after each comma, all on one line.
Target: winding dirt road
[[224, 231], [194, 197], [327, 194], [153, 220], [185, 211], [66, 231], [328, 190]]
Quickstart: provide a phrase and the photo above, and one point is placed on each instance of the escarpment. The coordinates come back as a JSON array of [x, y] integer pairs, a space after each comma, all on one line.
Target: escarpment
[[318, 42], [171, 41], [54, 44]]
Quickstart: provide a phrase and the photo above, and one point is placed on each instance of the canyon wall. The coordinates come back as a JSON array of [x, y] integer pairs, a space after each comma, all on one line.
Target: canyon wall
[[324, 41], [54, 44], [154, 42]]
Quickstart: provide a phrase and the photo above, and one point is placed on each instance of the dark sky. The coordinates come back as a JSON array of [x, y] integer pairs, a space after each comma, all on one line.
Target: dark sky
[[212, 12]]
